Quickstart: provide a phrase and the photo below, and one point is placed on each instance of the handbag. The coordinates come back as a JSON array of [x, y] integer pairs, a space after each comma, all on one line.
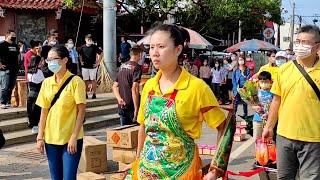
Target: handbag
[[308, 78]]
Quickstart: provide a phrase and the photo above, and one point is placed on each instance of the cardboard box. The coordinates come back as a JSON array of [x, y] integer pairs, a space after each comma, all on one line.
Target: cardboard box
[[241, 130], [118, 176], [243, 123], [90, 176], [124, 136], [124, 155], [23, 102], [122, 165], [94, 155], [238, 137], [22, 89]]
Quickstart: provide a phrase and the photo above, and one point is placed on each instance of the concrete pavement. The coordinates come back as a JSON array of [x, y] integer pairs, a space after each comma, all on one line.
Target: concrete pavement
[[24, 162]]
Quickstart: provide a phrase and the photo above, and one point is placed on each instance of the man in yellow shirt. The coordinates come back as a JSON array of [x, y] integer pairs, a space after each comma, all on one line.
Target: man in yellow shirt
[[296, 106], [270, 67]]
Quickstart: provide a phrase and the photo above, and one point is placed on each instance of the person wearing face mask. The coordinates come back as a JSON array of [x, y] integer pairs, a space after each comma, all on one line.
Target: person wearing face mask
[[270, 67], [250, 63], [90, 62], [239, 77], [74, 56], [295, 107], [290, 54], [205, 72], [265, 98], [281, 58], [61, 125], [9, 67], [35, 77], [34, 50], [217, 74], [227, 86], [55, 33], [174, 105], [52, 42], [193, 68]]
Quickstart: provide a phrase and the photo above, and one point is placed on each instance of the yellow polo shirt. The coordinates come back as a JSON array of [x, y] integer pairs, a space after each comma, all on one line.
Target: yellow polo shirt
[[272, 70], [299, 113], [62, 117], [195, 102]]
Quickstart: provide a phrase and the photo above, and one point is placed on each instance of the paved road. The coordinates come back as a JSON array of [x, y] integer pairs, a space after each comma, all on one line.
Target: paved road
[[23, 161]]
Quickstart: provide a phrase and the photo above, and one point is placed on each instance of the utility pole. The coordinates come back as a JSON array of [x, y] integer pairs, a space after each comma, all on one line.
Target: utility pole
[[109, 36], [240, 31], [292, 24], [300, 21]]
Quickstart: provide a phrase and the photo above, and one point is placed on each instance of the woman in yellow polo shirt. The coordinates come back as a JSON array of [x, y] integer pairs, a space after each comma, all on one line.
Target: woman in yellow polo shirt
[[173, 106], [60, 126]]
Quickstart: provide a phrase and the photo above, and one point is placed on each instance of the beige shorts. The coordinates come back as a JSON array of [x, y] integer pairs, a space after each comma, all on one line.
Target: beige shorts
[[89, 74]]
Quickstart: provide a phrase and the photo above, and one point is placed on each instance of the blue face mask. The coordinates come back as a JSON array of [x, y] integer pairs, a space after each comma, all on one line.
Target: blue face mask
[[280, 62], [54, 66]]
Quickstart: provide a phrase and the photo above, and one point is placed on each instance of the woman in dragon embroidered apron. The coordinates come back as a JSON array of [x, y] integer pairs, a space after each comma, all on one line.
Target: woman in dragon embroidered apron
[[167, 131]]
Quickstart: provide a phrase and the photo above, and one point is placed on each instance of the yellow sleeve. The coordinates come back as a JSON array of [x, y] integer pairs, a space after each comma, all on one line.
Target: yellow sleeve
[[276, 86], [143, 99], [42, 100], [80, 91], [209, 109]]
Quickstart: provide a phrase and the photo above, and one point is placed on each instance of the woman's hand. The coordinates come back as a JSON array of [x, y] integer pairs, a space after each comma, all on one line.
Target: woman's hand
[[128, 167], [72, 145], [210, 176], [40, 145]]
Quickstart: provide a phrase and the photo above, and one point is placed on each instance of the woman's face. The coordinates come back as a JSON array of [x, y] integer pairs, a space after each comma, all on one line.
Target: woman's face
[[52, 55], [163, 53]]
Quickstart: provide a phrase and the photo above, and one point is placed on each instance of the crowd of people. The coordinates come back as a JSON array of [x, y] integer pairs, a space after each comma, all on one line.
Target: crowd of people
[[294, 121], [173, 104]]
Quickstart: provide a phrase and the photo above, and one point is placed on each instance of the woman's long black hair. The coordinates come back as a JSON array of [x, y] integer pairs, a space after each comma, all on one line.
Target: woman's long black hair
[[34, 64]]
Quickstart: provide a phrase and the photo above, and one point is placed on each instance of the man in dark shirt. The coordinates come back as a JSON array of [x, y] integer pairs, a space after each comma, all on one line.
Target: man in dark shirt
[[124, 55], [52, 42], [126, 87], [89, 61], [9, 58]]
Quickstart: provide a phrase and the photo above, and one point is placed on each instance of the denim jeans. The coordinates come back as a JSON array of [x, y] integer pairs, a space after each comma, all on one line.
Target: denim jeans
[[13, 74], [126, 116], [4, 83], [63, 165]]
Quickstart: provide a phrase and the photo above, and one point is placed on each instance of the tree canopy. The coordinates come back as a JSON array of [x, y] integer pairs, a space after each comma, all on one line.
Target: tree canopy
[[209, 17]]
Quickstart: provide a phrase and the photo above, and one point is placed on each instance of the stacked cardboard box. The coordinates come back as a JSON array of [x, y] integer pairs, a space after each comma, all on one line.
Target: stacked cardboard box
[[22, 93], [124, 141], [15, 97], [94, 155], [90, 176]]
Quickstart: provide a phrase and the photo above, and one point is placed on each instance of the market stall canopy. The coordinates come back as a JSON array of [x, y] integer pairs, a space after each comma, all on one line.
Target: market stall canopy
[[253, 45], [196, 40]]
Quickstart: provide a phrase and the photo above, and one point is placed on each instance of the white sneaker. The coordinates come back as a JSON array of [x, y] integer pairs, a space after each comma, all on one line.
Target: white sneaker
[[3, 106], [34, 129], [8, 105]]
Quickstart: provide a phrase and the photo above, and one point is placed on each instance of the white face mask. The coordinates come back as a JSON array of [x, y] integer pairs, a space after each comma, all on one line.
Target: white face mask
[[233, 58], [70, 45], [302, 51], [241, 62], [248, 59], [216, 65]]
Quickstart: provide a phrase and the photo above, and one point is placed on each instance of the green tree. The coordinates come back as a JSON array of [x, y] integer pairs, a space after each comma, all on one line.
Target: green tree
[[208, 17]]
